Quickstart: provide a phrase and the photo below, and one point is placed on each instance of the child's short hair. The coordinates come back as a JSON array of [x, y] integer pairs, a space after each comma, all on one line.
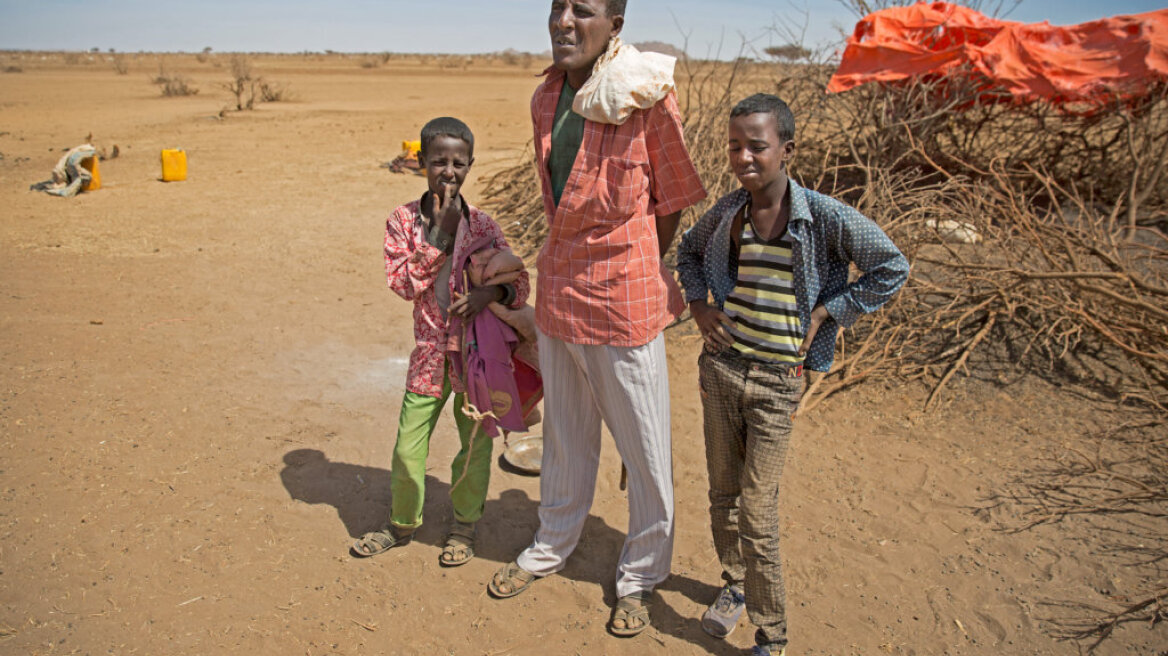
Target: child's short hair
[[614, 8], [765, 103], [446, 126]]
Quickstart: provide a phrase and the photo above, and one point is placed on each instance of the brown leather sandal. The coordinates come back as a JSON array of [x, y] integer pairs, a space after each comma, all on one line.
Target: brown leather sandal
[[510, 580], [459, 548], [631, 615], [376, 542]]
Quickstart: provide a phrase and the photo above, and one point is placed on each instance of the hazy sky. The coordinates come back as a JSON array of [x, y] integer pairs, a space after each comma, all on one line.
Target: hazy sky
[[452, 26]]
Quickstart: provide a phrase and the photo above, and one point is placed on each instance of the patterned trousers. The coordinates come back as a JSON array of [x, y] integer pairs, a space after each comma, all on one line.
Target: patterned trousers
[[746, 408]]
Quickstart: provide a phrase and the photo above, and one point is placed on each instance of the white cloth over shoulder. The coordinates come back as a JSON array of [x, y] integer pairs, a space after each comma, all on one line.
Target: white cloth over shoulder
[[624, 80]]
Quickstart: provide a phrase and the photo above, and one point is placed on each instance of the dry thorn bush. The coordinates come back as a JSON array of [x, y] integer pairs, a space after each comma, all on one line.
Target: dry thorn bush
[[242, 85], [274, 92], [173, 85], [248, 88]]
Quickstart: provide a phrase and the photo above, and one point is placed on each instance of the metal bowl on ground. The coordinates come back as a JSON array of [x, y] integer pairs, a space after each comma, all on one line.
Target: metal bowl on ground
[[525, 453]]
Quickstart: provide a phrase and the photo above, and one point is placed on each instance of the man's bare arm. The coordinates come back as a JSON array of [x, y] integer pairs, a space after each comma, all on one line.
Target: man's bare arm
[[666, 229]]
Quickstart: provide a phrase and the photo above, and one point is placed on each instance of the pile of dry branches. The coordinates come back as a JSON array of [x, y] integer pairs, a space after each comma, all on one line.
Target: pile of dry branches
[[1069, 272], [1119, 488]]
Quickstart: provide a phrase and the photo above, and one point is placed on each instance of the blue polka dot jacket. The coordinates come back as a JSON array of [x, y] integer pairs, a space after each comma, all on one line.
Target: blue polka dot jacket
[[826, 236]]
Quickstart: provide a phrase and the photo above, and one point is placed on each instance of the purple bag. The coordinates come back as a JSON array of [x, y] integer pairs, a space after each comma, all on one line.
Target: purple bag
[[482, 360]]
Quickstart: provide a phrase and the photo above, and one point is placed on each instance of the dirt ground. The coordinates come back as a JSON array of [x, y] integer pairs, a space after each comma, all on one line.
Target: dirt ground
[[200, 390]]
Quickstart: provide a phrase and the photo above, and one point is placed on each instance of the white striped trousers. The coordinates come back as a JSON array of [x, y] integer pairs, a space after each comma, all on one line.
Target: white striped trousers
[[627, 388]]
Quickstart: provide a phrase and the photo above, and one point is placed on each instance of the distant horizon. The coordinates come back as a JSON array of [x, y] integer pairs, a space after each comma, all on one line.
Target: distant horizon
[[701, 28]]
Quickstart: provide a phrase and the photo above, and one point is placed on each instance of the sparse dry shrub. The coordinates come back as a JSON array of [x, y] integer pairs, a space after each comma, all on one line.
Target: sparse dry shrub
[[248, 88], [370, 62], [242, 84], [178, 86], [204, 56], [121, 66], [173, 85], [274, 91], [72, 58], [13, 69]]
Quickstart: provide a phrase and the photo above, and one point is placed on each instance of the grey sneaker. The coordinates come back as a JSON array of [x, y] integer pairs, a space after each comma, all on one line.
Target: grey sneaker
[[761, 650], [722, 616]]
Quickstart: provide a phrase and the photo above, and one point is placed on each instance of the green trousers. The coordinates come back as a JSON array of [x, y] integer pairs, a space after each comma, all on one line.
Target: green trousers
[[407, 479]]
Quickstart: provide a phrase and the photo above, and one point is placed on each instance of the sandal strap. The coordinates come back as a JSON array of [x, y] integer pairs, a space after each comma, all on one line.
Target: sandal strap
[[634, 602], [512, 572], [383, 539], [461, 533]]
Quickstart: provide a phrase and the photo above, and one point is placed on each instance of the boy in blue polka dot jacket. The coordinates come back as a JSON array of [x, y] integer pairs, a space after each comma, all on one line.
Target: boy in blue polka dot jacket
[[774, 257]]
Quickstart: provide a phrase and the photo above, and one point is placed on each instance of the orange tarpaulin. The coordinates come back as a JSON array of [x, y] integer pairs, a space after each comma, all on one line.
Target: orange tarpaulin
[[1099, 61]]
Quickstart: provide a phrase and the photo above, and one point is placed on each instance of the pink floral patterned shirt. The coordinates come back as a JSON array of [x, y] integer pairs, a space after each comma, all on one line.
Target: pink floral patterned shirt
[[411, 267]]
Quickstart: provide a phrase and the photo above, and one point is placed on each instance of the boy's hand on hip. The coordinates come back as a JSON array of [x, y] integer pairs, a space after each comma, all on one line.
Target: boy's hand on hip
[[712, 323], [468, 306], [818, 316]]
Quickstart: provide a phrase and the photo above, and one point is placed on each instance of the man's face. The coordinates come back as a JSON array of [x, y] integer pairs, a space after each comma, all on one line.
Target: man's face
[[580, 31], [447, 161], [757, 156]]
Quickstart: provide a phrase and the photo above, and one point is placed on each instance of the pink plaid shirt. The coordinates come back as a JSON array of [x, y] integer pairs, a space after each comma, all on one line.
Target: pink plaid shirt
[[411, 266], [601, 279]]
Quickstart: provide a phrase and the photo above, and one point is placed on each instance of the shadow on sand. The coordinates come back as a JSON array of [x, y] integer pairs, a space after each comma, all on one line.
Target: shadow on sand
[[362, 498]]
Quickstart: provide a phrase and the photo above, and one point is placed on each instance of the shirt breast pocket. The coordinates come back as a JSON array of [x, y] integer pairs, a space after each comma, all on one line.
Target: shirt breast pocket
[[622, 188]]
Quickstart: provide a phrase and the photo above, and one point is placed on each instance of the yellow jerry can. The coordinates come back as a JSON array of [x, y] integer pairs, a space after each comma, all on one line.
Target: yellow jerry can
[[90, 164], [174, 165], [411, 148]]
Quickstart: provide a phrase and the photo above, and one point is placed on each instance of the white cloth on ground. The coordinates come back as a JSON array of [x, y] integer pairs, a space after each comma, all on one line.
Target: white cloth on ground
[[69, 177]]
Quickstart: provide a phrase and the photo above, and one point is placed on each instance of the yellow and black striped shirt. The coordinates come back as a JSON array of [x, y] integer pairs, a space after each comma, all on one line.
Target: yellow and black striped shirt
[[762, 304]]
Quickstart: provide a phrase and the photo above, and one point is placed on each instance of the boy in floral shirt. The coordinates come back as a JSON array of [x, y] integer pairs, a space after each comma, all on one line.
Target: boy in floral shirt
[[423, 239]]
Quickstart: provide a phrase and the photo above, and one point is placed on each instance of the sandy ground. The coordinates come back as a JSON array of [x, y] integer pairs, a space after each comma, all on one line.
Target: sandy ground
[[200, 390]]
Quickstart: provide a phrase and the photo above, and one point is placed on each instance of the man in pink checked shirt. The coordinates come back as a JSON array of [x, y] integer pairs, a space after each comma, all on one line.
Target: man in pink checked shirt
[[614, 185]]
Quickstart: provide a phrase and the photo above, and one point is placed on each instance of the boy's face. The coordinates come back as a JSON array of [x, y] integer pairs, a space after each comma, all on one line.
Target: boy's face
[[757, 156], [447, 161], [580, 31]]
